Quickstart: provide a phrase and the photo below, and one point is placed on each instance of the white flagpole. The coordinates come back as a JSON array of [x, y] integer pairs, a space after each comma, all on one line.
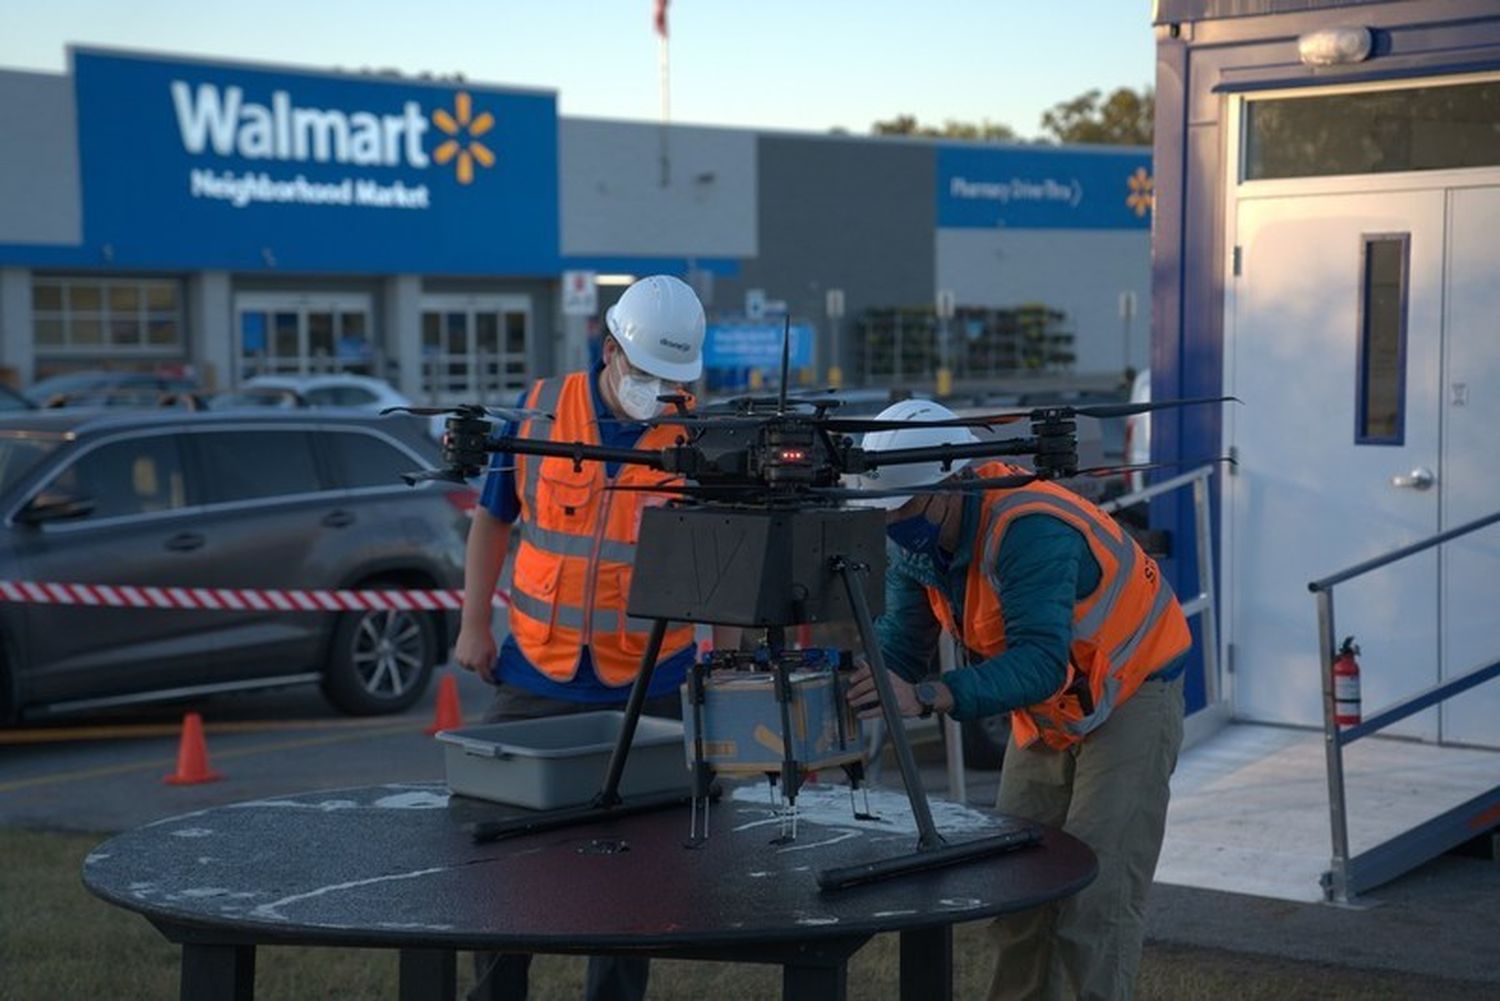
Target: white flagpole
[[666, 105]]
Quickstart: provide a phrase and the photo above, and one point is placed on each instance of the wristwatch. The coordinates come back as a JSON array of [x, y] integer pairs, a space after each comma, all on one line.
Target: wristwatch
[[927, 696]]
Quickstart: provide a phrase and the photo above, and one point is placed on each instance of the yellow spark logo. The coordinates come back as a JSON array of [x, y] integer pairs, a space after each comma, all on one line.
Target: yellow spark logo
[[1142, 196], [465, 132]]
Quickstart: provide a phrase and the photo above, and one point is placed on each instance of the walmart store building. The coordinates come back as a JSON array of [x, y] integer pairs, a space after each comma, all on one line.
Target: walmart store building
[[164, 212]]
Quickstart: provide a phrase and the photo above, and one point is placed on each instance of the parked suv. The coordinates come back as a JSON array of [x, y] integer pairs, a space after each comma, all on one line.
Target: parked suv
[[271, 501]]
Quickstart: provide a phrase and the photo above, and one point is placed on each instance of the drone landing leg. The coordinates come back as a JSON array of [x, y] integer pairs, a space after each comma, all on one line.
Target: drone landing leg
[[703, 775], [610, 795], [791, 770], [932, 851]]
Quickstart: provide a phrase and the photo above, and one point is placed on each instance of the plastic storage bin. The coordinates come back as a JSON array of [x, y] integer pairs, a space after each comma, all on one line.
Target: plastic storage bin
[[559, 761]]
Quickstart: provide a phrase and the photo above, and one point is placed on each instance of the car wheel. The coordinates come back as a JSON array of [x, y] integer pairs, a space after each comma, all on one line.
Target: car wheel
[[380, 661], [985, 740]]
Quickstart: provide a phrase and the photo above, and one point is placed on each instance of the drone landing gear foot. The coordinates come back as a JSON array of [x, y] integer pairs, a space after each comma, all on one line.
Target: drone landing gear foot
[[925, 859], [855, 770]]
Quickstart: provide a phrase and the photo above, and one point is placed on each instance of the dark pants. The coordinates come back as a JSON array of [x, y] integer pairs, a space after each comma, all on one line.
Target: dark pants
[[503, 976]]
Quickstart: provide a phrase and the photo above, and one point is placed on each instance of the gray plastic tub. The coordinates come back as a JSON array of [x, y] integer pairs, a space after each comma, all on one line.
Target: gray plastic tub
[[559, 761]]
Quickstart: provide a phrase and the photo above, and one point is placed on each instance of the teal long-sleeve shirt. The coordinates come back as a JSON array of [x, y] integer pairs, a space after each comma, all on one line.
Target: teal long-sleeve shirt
[[1044, 567]]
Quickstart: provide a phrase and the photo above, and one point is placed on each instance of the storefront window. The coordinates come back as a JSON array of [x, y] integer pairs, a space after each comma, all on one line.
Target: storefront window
[[106, 316]]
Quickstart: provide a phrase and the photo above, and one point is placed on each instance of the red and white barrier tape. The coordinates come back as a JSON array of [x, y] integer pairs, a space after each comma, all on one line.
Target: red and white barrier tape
[[230, 599]]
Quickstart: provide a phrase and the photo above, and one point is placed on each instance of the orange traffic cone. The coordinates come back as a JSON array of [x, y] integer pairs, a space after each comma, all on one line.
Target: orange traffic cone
[[449, 716], [192, 755]]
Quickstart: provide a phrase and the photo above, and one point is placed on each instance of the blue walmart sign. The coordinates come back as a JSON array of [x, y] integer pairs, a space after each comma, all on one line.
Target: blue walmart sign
[[189, 164], [1021, 188]]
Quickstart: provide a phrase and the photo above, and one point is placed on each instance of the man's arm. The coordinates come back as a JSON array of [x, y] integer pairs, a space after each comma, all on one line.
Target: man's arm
[[907, 632], [484, 557], [1036, 572]]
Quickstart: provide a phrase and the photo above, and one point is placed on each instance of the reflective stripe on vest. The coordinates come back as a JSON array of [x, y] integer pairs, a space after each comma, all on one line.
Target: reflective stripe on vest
[[577, 545]]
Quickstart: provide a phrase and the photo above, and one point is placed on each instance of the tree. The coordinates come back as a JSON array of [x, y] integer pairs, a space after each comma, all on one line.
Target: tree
[[907, 125], [1124, 118]]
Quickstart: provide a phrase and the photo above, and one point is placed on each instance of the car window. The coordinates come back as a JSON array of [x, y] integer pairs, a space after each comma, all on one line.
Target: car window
[[363, 460], [133, 476], [340, 396], [18, 454], [247, 465]]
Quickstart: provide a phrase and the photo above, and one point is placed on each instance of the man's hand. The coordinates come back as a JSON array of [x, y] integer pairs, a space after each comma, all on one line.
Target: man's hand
[[865, 699], [475, 651]]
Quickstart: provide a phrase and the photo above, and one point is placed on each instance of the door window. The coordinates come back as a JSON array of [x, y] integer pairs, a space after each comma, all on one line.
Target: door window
[[251, 465], [131, 477], [1380, 410]]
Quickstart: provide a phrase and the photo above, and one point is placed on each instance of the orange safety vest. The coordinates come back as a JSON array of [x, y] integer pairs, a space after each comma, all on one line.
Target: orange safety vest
[[577, 551], [1130, 627]]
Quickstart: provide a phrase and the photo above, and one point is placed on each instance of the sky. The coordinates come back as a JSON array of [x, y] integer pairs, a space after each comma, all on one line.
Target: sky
[[809, 65]]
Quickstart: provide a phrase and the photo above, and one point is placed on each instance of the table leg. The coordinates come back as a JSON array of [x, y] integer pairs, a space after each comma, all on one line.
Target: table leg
[[814, 982], [428, 975], [927, 963], [218, 972]]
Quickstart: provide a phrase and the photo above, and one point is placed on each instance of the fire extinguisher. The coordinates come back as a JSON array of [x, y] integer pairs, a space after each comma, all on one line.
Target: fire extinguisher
[[1346, 684]]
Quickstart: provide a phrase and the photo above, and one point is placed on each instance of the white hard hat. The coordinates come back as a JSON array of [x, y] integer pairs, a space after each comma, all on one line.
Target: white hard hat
[[912, 474], [658, 323]]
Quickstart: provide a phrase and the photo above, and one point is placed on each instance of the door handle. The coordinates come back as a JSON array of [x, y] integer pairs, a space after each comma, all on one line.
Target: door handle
[[184, 542], [1420, 478], [338, 519]]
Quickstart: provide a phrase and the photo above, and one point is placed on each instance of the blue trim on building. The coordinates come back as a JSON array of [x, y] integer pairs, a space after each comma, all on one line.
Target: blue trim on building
[[723, 267]]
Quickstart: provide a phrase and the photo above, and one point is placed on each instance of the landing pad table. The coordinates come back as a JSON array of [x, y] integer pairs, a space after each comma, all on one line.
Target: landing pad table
[[395, 867]]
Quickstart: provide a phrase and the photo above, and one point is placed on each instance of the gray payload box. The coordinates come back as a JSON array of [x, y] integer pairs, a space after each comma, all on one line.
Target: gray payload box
[[558, 761], [742, 722]]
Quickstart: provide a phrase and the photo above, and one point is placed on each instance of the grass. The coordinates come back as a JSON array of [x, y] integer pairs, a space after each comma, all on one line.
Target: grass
[[58, 941]]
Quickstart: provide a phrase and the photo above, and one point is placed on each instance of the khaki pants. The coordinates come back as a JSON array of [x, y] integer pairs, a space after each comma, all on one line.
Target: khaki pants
[[1111, 792]]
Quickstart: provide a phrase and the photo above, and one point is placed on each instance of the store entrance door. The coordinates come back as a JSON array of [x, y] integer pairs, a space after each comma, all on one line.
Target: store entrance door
[[474, 348], [304, 334]]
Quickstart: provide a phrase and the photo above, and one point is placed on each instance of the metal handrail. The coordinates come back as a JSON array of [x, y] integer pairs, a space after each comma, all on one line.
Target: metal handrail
[[1202, 603], [1360, 569], [1344, 878]]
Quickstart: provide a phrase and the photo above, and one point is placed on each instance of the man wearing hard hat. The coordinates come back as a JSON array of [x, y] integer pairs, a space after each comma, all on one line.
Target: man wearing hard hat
[[571, 646], [1067, 625]]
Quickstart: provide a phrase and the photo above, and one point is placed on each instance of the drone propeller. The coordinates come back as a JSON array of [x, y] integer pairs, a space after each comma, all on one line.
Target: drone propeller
[[473, 410], [1101, 411]]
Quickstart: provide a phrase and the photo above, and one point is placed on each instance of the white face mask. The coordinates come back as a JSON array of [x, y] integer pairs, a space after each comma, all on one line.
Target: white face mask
[[638, 396]]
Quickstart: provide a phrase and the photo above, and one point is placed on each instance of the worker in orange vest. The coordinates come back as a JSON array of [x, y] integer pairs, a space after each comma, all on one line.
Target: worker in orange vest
[[1067, 625], [572, 646]]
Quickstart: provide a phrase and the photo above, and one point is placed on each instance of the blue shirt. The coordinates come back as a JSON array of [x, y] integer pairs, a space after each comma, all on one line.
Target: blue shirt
[[1044, 567], [512, 667]]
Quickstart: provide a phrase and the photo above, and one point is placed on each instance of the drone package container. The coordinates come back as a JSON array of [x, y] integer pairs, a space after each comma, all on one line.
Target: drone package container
[[742, 722]]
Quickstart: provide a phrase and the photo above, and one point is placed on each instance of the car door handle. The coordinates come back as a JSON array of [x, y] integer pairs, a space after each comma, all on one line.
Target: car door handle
[[184, 542], [1417, 479], [338, 519]]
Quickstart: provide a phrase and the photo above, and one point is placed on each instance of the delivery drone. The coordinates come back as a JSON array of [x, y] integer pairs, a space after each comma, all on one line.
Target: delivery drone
[[761, 533]]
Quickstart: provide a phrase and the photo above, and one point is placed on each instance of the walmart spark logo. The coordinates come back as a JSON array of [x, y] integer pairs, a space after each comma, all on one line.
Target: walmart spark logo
[[1142, 194], [463, 144]]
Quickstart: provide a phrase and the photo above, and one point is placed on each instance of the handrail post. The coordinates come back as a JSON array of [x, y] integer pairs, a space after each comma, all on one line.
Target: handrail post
[[1338, 884], [1207, 625]]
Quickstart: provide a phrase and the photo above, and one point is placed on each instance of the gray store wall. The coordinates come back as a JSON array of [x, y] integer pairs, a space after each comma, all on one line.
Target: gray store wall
[[613, 201], [855, 214], [38, 160], [1079, 271]]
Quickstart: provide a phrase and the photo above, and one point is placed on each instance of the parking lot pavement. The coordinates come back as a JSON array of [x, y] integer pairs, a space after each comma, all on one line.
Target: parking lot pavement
[[104, 772]]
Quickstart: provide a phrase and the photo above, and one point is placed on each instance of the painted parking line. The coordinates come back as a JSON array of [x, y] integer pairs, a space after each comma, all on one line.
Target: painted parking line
[[166, 764], [129, 731]]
